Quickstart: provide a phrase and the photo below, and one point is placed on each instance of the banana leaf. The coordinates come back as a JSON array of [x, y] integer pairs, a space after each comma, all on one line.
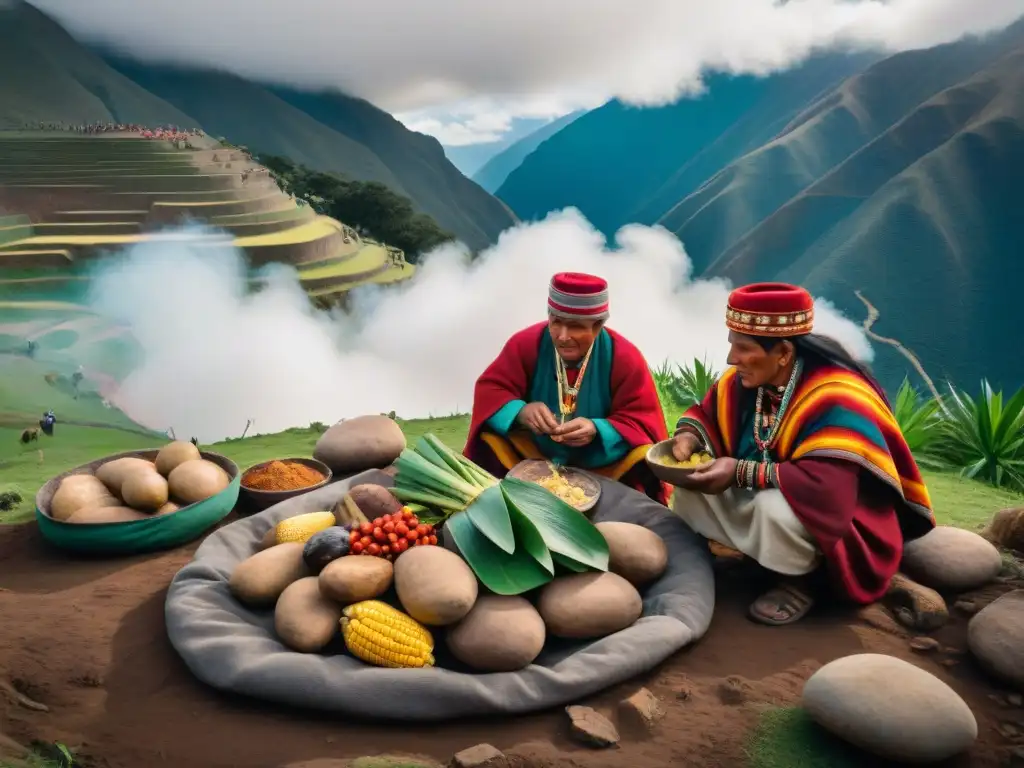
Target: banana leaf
[[564, 530], [500, 572], [489, 514], [529, 538], [568, 563]]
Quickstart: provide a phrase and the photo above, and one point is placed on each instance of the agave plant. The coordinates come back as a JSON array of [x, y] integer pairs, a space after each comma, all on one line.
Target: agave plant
[[921, 422], [983, 437], [687, 384]]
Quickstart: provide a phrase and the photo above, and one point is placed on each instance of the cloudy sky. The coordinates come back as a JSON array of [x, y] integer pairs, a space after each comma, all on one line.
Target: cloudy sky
[[464, 70]]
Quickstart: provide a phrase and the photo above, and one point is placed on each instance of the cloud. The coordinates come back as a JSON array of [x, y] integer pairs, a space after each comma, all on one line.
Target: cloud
[[408, 55], [215, 355]]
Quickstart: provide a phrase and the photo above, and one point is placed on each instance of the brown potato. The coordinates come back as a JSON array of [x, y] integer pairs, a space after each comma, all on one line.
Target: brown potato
[[197, 480], [146, 491], [352, 578], [106, 515], [435, 586], [80, 492], [586, 605], [167, 508], [501, 634], [173, 454], [259, 580], [304, 619], [269, 538], [114, 473], [637, 554]]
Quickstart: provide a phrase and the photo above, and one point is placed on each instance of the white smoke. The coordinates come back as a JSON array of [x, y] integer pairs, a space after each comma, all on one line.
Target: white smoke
[[216, 355]]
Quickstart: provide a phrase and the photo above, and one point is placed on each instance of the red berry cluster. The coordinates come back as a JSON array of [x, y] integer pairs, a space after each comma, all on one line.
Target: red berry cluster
[[390, 535]]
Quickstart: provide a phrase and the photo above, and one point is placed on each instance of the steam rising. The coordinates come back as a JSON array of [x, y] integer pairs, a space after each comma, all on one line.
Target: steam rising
[[217, 354]]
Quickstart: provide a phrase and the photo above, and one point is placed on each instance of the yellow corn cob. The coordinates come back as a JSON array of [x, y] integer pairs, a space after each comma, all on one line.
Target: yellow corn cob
[[302, 527], [379, 634]]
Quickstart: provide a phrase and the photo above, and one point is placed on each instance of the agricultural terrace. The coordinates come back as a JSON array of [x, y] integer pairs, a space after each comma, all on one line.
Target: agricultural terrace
[[66, 198]]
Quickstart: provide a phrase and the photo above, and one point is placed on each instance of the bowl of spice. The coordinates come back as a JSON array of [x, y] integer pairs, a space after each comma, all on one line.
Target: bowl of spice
[[266, 484]]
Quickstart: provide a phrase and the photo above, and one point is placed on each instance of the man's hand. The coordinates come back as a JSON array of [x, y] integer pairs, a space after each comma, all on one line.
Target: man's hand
[[538, 418], [713, 478], [685, 445], [575, 433]]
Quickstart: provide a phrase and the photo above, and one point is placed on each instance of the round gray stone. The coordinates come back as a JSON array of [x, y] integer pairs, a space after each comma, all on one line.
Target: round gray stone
[[951, 560], [890, 708], [996, 637]]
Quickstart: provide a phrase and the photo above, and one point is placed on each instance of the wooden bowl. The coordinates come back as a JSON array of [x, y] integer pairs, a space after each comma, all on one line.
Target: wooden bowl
[[532, 470], [136, 536], [671, 475], [257, 500]]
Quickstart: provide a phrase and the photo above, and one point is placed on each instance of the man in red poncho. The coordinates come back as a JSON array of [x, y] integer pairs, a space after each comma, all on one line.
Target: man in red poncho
[[812, 475], [572, 391]]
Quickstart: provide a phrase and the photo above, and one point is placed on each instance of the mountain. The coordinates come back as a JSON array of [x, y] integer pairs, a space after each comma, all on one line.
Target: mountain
[[469, 158], [46, 75], [620, 164], [494, 172]]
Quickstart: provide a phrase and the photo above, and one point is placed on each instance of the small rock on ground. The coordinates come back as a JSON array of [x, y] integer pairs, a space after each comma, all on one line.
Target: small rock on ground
[[734, 690], [592, 728], [967, 606], [995, 635], [915, 605], [480, 756], [924, 644], [641, 711], [951, 559], [890, 708]]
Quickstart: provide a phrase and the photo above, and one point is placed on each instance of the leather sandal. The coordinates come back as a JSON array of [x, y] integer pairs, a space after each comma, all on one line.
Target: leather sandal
[[791, 600]]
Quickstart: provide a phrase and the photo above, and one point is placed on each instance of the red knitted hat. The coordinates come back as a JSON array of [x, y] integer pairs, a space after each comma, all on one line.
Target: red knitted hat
[[770, 309], [577, 296]]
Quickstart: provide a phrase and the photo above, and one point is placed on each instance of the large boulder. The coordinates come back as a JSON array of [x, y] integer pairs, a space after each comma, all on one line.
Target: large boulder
[[951, 560], [996, 637], [890, 708], [355, 445]]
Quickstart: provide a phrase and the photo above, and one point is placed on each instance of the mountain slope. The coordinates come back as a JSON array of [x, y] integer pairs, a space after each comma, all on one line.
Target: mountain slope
[[45, 75], [923, 219], [619, 164], [417, 161], [470, 158], [494, 172]]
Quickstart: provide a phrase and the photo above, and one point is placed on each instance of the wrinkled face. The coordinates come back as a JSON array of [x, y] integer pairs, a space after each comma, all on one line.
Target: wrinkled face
[[573, 338], [755, 366]]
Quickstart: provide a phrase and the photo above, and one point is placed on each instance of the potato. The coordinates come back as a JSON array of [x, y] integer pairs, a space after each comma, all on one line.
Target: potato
[[366, 501], [106, 515], [352, 578], [304, 619], [435, 586], [197, 480], [500, 634], [173, 454], [259, 580], [586, 605], [146, 491], [167, 508], [637, 554], [80, 492], [114, 473]]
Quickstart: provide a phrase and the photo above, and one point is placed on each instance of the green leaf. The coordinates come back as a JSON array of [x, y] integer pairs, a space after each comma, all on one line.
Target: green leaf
[[563, 529], [568, 563], [490, 515], [449, 458], [529, 537], [426, 450], [500, 572]]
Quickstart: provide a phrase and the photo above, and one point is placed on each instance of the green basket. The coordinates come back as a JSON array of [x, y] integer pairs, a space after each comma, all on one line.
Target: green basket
[[137, 536]]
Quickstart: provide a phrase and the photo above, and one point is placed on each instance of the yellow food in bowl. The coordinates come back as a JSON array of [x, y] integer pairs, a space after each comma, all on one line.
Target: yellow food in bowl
[[695, 460], [563, 489]]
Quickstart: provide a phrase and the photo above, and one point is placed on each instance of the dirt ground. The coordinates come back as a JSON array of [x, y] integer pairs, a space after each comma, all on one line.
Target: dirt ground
[[86, 638]]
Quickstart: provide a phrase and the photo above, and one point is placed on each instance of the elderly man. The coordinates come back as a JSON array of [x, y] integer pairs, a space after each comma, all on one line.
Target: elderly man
[[572, 391], [812, 475]]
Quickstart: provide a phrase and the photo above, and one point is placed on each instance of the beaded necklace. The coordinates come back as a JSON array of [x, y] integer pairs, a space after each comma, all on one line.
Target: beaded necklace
[[765, 442], [567, 396]]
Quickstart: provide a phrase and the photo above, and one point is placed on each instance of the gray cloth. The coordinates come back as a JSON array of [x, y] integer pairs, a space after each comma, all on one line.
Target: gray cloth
[[233, 648]]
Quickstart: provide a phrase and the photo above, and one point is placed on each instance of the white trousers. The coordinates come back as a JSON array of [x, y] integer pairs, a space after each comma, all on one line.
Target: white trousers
[[760, 524]]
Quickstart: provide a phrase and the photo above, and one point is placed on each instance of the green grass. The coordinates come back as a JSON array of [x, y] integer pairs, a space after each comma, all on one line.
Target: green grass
[[786, 737]]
